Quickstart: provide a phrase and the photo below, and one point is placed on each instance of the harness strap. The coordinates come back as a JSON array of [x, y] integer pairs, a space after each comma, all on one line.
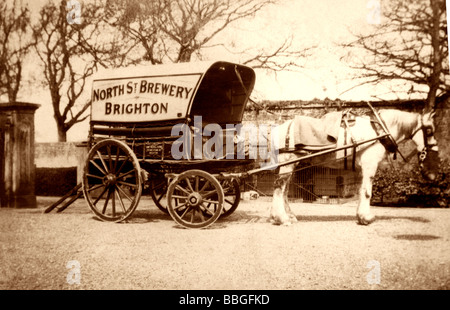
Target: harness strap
[[345, 150], [417, 130], [348, 130], [288, 136], [391, 139]]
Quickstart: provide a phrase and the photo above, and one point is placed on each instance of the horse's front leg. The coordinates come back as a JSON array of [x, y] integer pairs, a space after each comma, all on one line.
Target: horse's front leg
[[363, 213], [280, 212], [369, 163]]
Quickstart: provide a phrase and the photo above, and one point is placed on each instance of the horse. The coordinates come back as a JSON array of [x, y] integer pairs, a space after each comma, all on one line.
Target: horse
[[400, 124]]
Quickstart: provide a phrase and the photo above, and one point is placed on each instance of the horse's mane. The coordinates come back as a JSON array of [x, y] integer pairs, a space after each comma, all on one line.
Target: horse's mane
[[405, 122]]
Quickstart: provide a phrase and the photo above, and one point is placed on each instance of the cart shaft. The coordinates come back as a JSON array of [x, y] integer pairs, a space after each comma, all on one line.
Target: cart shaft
[[297, 160]]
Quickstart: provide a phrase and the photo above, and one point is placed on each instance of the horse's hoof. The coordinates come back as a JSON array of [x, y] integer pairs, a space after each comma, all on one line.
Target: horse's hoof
[[365, 219], [293, 219], [276, 220]]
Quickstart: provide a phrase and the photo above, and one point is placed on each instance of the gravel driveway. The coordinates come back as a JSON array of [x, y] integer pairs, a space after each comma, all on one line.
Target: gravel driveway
[[406, 248]]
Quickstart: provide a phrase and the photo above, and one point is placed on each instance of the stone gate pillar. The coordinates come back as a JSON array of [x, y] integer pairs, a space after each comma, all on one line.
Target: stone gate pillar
[[17, 170]]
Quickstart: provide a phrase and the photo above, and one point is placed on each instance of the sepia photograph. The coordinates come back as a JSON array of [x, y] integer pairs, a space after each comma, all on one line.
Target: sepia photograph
[[224, 152]]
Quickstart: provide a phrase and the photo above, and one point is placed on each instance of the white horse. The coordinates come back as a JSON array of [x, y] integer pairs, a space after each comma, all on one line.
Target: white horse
[[401, 125]]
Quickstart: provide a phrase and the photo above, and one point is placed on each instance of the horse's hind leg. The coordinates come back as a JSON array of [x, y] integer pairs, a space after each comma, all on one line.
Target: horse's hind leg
[[289, 212]]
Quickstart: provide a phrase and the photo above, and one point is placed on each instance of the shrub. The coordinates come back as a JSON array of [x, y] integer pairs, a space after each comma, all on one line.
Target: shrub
[[409, 188]]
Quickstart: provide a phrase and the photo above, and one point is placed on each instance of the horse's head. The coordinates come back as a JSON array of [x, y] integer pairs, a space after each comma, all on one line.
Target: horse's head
[[427, 146]]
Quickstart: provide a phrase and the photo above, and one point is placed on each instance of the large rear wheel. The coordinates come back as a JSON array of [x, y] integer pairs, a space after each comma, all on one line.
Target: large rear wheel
[[112, 181]]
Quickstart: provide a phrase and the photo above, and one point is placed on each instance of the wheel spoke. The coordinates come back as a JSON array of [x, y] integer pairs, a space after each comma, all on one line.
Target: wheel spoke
[[103, 162], [209, 194], [97, 166], [113, 202], [189, 185], [192, 215], [206, 209], [116, 161], [108, 148], [127, 184], [226, 186], [185, 213], [178, 187], [125, 194], [211, 201], [125, 174], [159, 185], [121, 201], [181, 206], [93, 188], [179, 197], [100, 196], [204, 186], [201, 216], [106, 201], [229, 201], [123, 164], [94, 176], [158, 199]]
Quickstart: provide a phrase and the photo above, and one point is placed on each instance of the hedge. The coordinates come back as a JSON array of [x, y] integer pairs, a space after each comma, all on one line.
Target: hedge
[[408, 188]]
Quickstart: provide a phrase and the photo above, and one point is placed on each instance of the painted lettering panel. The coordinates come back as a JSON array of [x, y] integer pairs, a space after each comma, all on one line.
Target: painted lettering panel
[[142, 99]]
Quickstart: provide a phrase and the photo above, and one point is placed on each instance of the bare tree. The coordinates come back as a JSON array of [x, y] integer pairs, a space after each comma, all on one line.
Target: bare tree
[[136, 21], [409, 46], [193, 24], [175, 30], [14, 46], [70, 53]]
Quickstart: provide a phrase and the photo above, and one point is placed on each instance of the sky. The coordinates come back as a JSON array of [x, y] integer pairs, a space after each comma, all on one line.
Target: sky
[[322, 23]]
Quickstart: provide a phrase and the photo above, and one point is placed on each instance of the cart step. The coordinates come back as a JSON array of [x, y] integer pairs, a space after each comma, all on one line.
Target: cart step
[[73, 194]]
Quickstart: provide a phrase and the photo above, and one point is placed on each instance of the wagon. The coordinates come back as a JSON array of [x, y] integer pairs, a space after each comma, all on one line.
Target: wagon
[[171, 131], [157, 130]]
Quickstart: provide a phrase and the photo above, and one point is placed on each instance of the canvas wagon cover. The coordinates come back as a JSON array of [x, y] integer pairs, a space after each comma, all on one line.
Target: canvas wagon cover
[[169, 92]]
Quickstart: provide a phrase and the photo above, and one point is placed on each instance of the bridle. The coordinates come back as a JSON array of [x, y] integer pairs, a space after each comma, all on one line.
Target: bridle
[[428, 132]]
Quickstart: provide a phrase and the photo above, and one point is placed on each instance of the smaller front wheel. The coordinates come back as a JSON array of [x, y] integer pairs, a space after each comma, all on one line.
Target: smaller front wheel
[[195, 199]]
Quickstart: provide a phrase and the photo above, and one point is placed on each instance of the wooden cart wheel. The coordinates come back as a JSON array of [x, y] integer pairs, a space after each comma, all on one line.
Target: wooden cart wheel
[[195, 199], [158, 191], [112, 181], [232, 193]]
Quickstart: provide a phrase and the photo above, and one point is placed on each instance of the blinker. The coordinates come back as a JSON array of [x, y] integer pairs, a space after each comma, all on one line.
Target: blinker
[[428, 130]]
